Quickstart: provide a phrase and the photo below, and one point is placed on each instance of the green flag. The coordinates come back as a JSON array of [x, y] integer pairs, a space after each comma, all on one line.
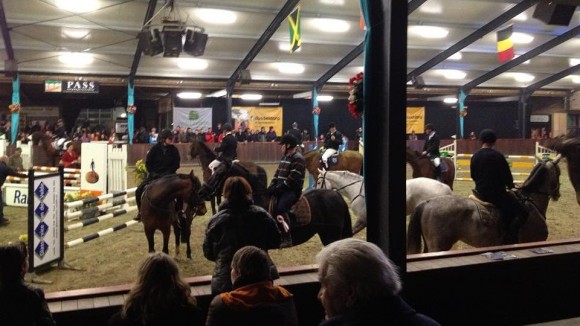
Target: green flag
[[295, 37]]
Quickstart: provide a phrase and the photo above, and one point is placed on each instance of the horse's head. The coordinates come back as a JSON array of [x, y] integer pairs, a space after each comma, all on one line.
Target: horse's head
[[322, 182], [212, 185], [544, 179], [569, 147], [193, 151], [195, 203]]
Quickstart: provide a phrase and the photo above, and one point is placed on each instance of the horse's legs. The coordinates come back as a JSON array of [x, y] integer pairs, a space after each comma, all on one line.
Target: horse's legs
[[150, 238], [166, 233], [176, 232], [188, 250], [213, 204]]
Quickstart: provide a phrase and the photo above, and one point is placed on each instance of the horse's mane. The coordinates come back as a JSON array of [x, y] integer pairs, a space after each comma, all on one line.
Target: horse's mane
[[563, 144], [537, 176]]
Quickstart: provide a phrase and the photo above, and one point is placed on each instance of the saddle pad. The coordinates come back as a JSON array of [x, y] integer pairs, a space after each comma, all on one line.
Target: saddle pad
[[488, 212], [301, 211]]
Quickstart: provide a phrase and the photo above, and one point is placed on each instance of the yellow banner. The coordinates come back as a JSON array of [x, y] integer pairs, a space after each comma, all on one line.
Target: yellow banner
[[416, 119], [258, 117]]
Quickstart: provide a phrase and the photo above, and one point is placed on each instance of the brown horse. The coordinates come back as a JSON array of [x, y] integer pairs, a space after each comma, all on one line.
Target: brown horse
[[158, 209], [444, 220], [348, 160], [569, 147], [422, 167], [206, 155]]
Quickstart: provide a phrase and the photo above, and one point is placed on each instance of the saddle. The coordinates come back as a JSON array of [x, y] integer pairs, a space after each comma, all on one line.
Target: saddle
[[332, 160], [443, 165], [489, 214], [299, 214]]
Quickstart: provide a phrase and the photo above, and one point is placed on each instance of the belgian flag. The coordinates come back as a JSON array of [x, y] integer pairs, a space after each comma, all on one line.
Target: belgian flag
[[505, 46], [295, 37]]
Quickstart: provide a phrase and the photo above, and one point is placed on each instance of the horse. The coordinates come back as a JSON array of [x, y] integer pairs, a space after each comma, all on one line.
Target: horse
[[447, 219], [350, 185], [569, 147], [48, 150], [319, 211], [422, 167], [421, 189], [206, 155], [348, 160], [158, 209]]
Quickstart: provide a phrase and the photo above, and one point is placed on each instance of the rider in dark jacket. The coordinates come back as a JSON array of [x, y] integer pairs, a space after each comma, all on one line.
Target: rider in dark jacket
[[431, 149], [227, 150], [332, 141]]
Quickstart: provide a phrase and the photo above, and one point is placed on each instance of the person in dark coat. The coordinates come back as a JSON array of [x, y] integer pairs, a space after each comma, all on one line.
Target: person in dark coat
[[5, 171], [296, 133], [431, 149], [287, 184], [161, 160], [20, 303], [360, 286], [238, 223], [160, 296], [332, 141], [493, 178], [227, 150], [254, 300]]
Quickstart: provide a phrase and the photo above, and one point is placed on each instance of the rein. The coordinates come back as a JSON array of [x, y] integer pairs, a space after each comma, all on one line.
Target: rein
[[346, 186]]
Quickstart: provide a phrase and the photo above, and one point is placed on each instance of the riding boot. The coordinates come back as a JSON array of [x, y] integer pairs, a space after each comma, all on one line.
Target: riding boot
[[511, 227], [138, 217], [437, 173]]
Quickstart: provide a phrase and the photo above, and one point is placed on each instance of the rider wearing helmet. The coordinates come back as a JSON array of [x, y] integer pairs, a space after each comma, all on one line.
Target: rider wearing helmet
[[227, 150], [287, 183], [431, 149], [294, 131], [162, 159], [332, 141]]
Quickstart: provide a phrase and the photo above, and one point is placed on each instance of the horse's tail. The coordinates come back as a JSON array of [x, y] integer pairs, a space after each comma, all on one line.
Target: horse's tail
[[414, 231]]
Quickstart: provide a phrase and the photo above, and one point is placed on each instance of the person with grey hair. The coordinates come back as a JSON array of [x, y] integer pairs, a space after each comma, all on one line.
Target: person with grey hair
[[255, 300], [359, 285]]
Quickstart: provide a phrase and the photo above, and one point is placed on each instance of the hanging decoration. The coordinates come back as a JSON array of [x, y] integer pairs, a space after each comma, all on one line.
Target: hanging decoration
[[315, 113], [131, 109], [15, 108], [356, 97]]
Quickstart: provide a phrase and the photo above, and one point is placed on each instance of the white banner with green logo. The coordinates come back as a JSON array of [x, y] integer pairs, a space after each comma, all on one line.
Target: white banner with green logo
[[194, 118]]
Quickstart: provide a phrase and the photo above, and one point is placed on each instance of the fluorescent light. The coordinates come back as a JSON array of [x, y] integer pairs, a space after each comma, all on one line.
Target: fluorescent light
[[333, 2], [76, 59], [432, 32], [574, 61], [523, 77], [217, 16], [521, 17], [329, 25], [452, 73], [289, 68], [456, 56], [450, 100], [251, 97], [521, 38], [189, 95], [192, 63], [75, 33], [431, 7], [123, 115], [77, 5], [575, 79], [285, 47], [269, 104], [219, 93], [324, 98]]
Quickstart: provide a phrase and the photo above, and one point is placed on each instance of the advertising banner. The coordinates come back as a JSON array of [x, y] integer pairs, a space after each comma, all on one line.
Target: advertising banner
[[415, 119], [257, 117], [194, 118]]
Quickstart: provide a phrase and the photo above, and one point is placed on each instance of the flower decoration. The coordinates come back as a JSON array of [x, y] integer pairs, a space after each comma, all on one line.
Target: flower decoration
[[15, 108], [463, 113], [355, 95], [316, 111], [131, 109]]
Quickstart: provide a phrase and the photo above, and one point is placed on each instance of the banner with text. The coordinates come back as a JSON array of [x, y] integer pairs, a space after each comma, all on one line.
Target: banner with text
[[194, 118], [415, 119], [258, 117]]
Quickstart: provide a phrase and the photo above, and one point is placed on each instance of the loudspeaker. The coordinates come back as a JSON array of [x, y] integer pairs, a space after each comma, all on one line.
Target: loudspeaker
[[195, 43], [245, 76], [553, 12]]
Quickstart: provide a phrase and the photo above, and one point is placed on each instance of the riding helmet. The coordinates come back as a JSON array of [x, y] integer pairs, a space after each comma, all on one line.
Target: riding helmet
[[165, 133], [487, 136], [331, 125], [227, 127], [295, 124], [429, 127], [289, 140]]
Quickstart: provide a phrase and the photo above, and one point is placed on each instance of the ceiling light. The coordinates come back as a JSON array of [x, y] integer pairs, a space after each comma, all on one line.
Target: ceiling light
[[217, 16], [453, 74], [123, 115], [521, 38], [456, 56], [285, 47], [574, 62], [290, 68], [192, 64], [433, 32], [324, 98], [523, 77], [189, 95], [219, 93], [329, 25], [75, 33], [575, 79], [251, 97], [333, 2], [76, 59], [521, 17], [78, 6], [431, 8], [450, 100]]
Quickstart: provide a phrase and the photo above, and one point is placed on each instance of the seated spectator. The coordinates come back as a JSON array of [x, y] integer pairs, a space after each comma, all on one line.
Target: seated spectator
[[255, 300], [209, 136], [70, 158], [15, 160], [271, 135], [359, 285], [20, 303], [160, 296]]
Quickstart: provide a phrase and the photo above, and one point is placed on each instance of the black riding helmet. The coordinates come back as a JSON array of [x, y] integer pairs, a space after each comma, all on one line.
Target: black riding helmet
[[289, 140], [165, 133], [228, 127], [487, 136]]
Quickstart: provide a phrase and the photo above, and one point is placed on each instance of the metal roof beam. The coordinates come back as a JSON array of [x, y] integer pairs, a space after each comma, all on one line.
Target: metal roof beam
[[546, 81], [6, 33], [137, 57], [484, 30], [523, 58]]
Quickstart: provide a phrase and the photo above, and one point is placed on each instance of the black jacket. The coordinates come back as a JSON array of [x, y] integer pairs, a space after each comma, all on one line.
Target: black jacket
[[491, 172], [5, 171], [228, 148], [23, 304], [296, 134], [330, 143], [162, 159], [431, 146]]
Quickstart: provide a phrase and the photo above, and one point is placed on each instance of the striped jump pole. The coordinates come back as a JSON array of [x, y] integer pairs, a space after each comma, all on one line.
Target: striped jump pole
[[98, 219], [55, 169], [99, 234], [79, 203], [100, 208]]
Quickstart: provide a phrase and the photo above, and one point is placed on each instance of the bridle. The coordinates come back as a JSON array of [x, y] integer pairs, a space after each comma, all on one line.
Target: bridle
[[360, 192]]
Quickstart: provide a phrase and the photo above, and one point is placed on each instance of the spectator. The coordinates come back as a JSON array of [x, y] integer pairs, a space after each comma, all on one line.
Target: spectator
[[305, 135], [15, 160], [20, 303], [295, 132], [262, 135], [359, 285], [160, 296], [254, 300], [209, 136], [70, 158], [189, 135], [413, 135], [271, 134], [238, 223], [153, 136], [359, 134], [472, 136]]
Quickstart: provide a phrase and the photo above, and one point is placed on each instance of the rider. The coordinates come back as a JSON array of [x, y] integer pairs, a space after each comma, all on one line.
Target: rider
[[227, 150], [162, 159], [492, 176], [296, 133], [431, 149], [332, 141], [287, 183]]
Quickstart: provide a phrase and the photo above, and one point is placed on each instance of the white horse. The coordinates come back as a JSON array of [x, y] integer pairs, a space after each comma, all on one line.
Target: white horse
[[420, 189], [350, 185]]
